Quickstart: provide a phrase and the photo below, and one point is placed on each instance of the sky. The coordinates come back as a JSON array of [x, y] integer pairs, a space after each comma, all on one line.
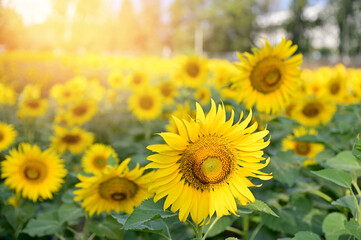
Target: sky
[[37, 11]]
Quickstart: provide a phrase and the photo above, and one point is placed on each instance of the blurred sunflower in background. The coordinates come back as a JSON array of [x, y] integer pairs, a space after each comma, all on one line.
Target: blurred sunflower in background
[[168, 90], [81, 112], [146, 103], [116, 79], [193, 71], [76, 140], [313, 111], [34, 173], [307, 149], [96, 157], [203, 168], [7, 135], [116, 189], [32, 107], [137, 79], [8, 95], [203, 95], [269, 77]]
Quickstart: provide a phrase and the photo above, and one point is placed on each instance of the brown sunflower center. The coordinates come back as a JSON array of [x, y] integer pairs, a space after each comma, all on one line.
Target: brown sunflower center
[[266, 76], [1, 136], [302, 148], [67, 94], [99, 162], [146, 102], [117, 189], [192, 69], [335, 88], [312, 109], [33, 104], [71, 138], [80, 110], [166, 90], [208, 162], [34, 170], [137, 79]]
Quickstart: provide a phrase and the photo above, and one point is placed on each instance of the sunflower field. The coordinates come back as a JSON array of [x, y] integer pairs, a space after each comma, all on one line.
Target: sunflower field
[[106, 147]]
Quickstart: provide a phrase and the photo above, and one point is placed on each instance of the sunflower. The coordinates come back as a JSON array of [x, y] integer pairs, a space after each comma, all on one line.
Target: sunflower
[[76, 140], [116, 189], [269, 77], [313, 111], [193, 71], [168, 91], [34, 173], [204, 167], [203, 95], [306, 149], [116, 79], [7, 135], [32, 107], [7, 95], [70, 91], [81, 112], [137, 79], [146, 103], [95, 158], [336, 85]]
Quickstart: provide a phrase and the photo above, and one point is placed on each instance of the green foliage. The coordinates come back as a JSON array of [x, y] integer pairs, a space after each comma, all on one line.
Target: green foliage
[[336, 176], [333, 226]]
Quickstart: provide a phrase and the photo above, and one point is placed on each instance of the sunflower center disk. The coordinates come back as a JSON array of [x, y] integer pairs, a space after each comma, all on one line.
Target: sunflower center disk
[[1, 136], [71, 138], [99, 162], [166, 90], [117, 189], [302, 148], [137, 79], [335, 88], [146, 102], [266, 76], [192, 69], [34, 171], [33, 104], [208, 162], [311, 109], [80, 110]]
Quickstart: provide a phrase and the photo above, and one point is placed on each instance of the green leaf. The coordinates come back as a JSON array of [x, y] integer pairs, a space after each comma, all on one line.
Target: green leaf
[[333, 226], [68, 212], [336, 176], [232, 238], [344, 161], [306, 235], [261, 207], [220, 225], [146, 212], [356, 149], [285, 167], [111, 161], [108, 228], [348, 202], [68, 196], [42, 227], [353, 228]]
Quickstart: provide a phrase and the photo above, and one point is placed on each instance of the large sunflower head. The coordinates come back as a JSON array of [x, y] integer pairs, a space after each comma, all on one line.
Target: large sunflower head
[[81, 112], [7, 136], [269, 77], [96, 157], [34, 173], [313, 111], [204, 167], [116, 189], [306, 149], [76, 140], [146, 103]]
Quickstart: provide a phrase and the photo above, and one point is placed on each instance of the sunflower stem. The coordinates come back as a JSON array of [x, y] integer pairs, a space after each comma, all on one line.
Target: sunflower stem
[[234, 230], [255, 232], [210, 227], [86, 227], [199, 232], [192, 225], [245, 227], [354, 183]]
